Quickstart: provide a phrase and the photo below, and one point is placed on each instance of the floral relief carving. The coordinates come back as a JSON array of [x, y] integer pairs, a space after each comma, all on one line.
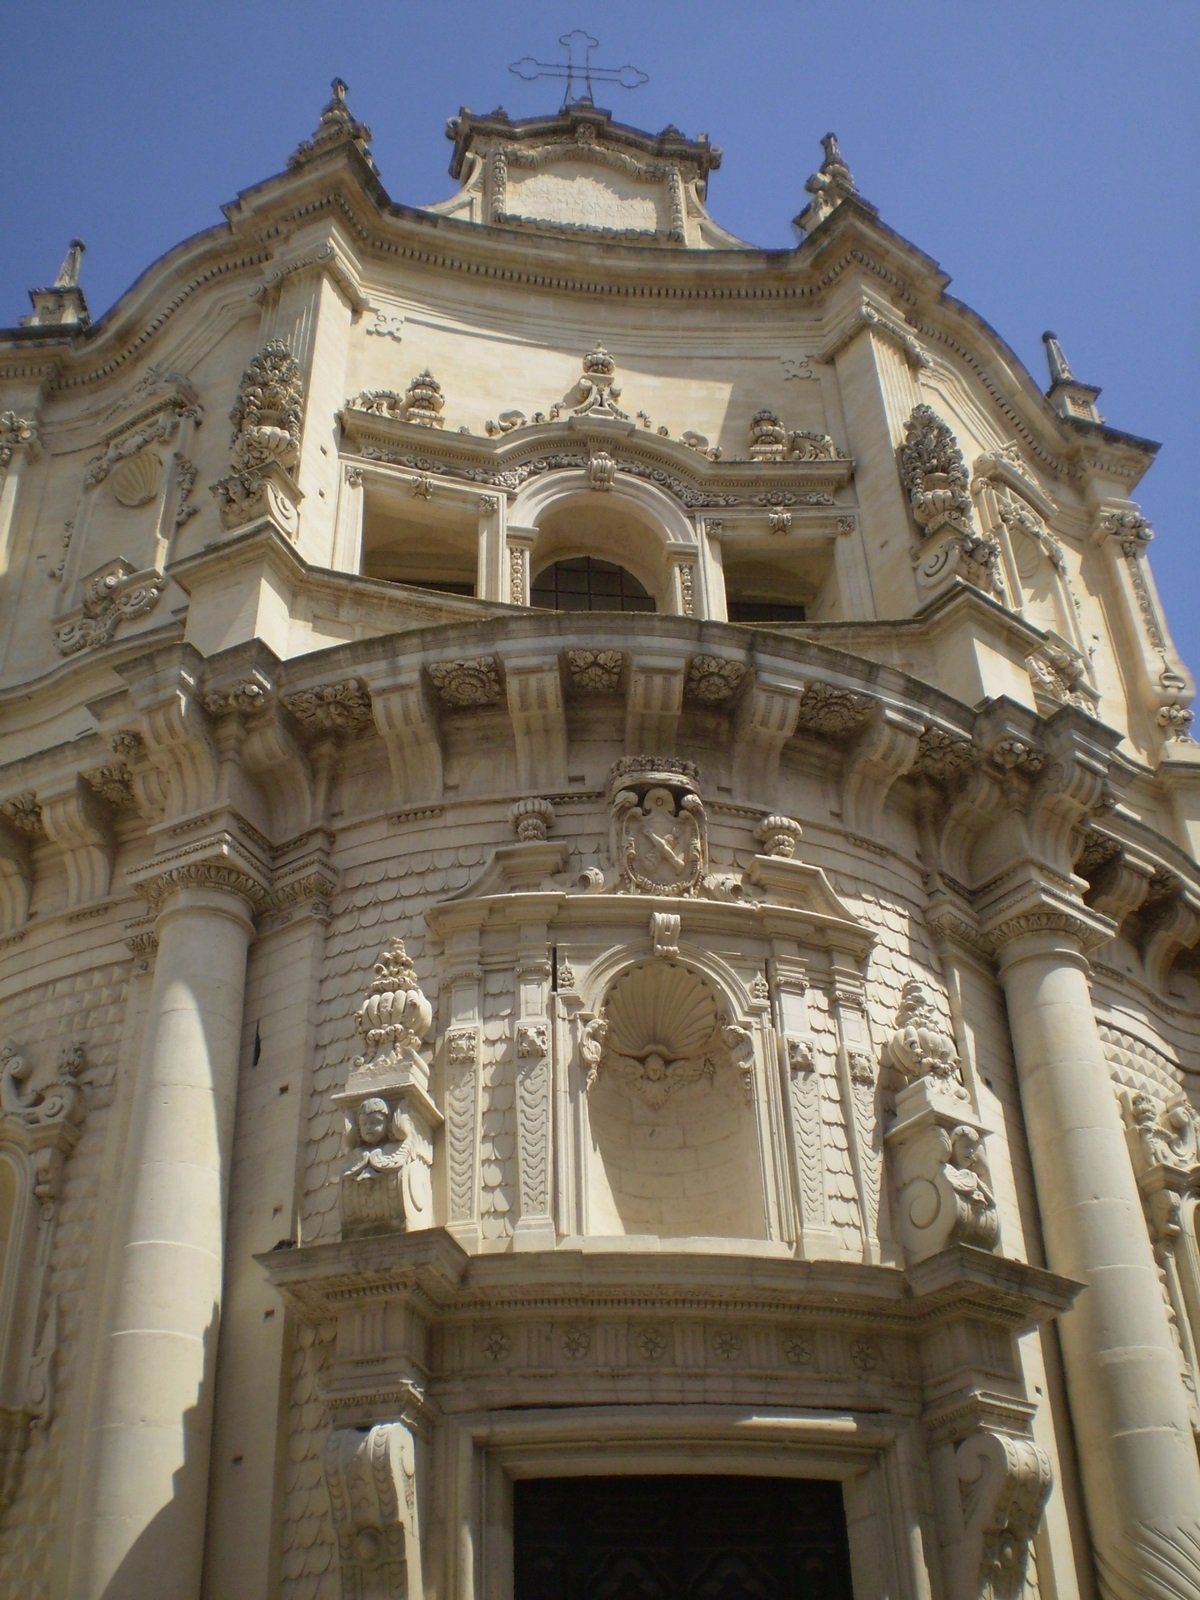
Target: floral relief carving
[[919, 1046], [24, 813], [462, 1047], [834, 712], [533, 1040], [332, 708], [595, 671], [687, 589], [44, 1123], [713, 679], [473, 682], [16, 433]]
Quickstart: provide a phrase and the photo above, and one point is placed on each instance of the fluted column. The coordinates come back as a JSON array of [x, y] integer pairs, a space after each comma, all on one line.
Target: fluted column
[[141, 1522], [1137, 1457]]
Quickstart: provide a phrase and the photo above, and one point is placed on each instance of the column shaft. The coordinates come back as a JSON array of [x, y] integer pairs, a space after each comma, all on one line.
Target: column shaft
[[1137, 1456], [141, 1525]]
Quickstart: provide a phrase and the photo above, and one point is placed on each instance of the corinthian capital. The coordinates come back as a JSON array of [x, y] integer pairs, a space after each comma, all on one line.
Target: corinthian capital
[[218, 861]]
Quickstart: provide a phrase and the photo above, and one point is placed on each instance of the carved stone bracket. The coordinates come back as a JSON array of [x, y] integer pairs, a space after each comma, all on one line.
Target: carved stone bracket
[[943, 1192], [1003, 1483], [371, 1479]]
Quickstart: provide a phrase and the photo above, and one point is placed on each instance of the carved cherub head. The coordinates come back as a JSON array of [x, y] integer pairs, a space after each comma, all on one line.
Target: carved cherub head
[[373, 1117]]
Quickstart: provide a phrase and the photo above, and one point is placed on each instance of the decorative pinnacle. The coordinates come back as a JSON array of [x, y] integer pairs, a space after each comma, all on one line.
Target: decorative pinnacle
[[336, 126], [1060, 367], [832, 183], [68, 273], [834, 165]]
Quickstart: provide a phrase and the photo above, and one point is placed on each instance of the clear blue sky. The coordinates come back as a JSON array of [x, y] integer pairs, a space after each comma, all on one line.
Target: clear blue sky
[[1044, 151]]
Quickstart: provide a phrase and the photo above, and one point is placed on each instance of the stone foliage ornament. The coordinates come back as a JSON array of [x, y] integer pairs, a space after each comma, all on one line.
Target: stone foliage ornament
[[597, 389], [919, 1046], [16, 433], [424, 401], [112, 595], [390, 1120], [43, 1123], [265, 446], [934, 474]]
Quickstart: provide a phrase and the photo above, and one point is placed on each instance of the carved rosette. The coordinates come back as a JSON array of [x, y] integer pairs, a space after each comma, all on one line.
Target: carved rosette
[[265, 446], [390, 1121]]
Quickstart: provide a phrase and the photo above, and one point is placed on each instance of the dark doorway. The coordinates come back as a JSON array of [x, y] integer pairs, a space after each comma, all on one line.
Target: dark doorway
[[686, 1538]]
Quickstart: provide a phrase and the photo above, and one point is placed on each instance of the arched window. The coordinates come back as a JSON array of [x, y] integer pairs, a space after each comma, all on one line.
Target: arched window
[[583, 583]]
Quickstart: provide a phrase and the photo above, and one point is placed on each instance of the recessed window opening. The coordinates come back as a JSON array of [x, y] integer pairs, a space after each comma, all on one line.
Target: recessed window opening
[[764, 585], [765, 611], [427, 547], [584, 583]]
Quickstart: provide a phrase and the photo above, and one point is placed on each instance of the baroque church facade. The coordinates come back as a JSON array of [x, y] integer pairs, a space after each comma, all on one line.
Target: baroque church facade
[[597, 894]]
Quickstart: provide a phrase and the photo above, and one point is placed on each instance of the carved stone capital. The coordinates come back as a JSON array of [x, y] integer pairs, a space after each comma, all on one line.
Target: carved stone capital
[[218, 862]]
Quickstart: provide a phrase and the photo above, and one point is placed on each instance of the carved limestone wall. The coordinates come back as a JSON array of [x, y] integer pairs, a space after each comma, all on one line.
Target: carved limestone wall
[[51, 1014]]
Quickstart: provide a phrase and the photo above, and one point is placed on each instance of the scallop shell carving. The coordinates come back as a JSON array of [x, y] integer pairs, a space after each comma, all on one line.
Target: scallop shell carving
[[663, 1030], [135, 481]]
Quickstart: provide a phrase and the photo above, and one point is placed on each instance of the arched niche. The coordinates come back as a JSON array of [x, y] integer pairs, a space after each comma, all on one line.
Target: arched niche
[[673, 1146], [633, 525]]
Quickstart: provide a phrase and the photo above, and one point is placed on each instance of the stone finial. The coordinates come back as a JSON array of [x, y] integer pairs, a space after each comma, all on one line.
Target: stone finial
[[68, 273], [1069, 397], [832, 183], [919, 1046], [1060, 369], [597, 389], [778, 835], [62, 305], [424, 401], [531, 819], [336, 127]]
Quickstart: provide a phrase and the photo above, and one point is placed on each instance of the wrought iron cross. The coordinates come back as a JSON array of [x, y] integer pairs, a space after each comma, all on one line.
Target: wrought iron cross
[[578, 68]]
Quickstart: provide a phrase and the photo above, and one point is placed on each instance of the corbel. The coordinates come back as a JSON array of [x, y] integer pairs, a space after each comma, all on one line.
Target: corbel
[[535, 706], [654, 702], [883, 752], [409, 728], [371, 1479], [765, 720], [79, 823]]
